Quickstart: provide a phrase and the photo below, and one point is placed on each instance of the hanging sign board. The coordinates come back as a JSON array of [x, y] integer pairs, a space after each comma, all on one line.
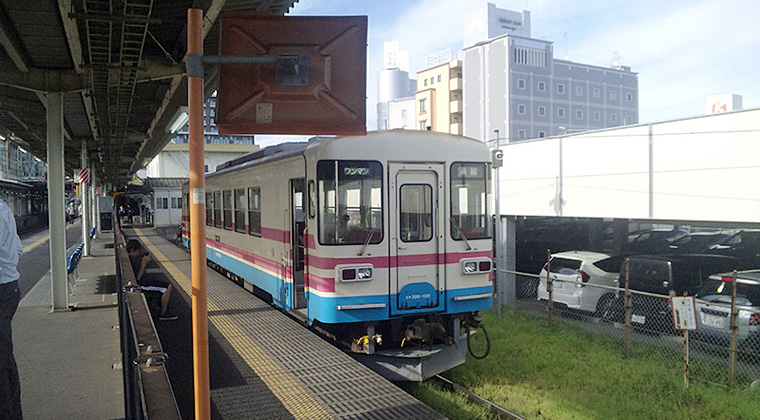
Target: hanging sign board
[[314, 80], [82, 176]]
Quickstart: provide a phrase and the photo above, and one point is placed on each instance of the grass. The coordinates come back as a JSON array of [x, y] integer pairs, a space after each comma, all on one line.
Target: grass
[[568, 373]]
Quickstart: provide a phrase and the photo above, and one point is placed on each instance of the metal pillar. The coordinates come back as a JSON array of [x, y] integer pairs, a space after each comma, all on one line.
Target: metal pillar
[[509, 257], [93, 209], [56, 201], [85, 190], [198, 214]]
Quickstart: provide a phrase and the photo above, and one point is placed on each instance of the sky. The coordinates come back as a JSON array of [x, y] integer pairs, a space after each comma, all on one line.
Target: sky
[[682, 50]]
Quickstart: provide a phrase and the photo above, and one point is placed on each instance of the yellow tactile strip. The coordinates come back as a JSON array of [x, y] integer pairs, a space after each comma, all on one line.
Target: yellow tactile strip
[[292, 396]]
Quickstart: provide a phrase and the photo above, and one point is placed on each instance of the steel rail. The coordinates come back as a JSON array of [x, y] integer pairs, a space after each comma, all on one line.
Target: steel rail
[[501, 412]]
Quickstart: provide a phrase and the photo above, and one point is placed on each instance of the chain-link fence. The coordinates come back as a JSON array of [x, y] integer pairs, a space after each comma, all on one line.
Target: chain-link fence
[[723, 350]]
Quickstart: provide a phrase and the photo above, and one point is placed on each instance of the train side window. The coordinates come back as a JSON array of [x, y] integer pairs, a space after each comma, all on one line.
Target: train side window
[[350, 202], [470, 201], [209, 209], [240, 210], [217, 209], [227, 207], [254, 211]]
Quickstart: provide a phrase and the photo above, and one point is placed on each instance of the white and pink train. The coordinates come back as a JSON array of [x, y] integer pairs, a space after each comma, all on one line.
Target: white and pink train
[[384, 241]]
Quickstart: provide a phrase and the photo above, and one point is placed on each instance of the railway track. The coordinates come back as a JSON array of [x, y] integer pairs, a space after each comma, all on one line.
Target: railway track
[[477, 399]]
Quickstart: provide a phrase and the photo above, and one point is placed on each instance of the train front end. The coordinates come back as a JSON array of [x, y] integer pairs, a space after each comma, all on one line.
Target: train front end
[[399, 247]]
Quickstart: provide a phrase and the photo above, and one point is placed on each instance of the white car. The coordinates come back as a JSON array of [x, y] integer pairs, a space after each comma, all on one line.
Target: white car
[[574, 275]]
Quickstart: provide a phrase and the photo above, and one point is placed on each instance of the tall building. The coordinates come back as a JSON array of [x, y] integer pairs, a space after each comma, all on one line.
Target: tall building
[[514, 84], [488, 21], [438, 100], [393, 82]]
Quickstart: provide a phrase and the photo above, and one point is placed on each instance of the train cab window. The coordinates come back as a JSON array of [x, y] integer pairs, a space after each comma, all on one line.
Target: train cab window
[[254, 211], [350, 202], [240, 210], [227, 208], [209, 209], [217, 209], [416, 218], [470, 201]]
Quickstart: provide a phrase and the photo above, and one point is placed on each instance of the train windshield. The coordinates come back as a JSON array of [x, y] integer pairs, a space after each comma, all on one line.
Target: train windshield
[[350, 202], [470, 201]]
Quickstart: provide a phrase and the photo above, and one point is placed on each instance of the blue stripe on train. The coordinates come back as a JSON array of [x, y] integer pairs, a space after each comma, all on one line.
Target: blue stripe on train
[[324, 309]]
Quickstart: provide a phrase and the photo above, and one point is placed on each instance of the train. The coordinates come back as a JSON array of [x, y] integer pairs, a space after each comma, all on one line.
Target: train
[[383, 242], [28, 201]]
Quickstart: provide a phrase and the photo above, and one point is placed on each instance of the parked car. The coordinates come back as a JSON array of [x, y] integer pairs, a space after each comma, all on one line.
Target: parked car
[[655, 240], [744, 246], [714, 311], [574, 275], [697, 243], [663, 275]]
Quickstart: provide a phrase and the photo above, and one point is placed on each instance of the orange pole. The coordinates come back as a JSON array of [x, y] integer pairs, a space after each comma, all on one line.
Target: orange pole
[[197, 215]]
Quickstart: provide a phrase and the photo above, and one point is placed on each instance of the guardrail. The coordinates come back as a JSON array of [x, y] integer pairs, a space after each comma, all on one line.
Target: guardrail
[[147, 391]]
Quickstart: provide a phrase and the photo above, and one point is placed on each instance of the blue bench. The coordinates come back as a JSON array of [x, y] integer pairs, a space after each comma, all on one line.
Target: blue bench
[[73, 260]]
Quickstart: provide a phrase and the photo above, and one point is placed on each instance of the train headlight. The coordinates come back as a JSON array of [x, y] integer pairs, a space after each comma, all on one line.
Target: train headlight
[[477, 265], [470, 267], [349, 273]]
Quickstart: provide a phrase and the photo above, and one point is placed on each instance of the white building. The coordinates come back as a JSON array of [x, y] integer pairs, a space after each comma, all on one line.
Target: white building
[[514, 84], [488, 21], [393, 82]]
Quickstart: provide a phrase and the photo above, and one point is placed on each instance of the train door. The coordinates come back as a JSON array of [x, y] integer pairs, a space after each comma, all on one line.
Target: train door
[[297, 240], [416, 221]]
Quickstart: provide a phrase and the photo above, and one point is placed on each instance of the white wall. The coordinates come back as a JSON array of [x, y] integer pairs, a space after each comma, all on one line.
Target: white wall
[[698, 169]]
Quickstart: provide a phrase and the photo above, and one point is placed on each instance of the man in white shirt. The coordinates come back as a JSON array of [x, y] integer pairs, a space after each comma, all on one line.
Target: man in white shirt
[[10, 250]]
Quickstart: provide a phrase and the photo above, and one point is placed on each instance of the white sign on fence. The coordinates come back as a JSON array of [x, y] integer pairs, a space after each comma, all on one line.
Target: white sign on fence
[[684, 312]]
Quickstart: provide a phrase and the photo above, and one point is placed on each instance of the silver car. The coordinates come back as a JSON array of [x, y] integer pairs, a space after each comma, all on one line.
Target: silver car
[[574, 275], [714, 310]]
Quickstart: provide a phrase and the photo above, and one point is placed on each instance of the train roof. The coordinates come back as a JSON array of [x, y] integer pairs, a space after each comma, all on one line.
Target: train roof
[[276, 152], [286, 150]]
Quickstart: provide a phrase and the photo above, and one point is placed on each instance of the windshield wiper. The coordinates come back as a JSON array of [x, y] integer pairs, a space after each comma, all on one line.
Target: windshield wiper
[[461, 235], [366, 242]]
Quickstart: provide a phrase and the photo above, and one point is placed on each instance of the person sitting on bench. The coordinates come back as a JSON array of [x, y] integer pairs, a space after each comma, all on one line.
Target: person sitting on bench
[[139, 260]]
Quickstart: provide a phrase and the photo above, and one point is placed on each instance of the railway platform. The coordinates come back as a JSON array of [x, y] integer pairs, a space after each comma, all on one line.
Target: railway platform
[[263, 364]]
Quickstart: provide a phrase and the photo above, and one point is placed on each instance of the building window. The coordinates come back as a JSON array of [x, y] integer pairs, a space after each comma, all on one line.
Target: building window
[[542, 111], [254, 211], [162, 203], [597, 116], [578, 114], [432, 80], [628, 119], [560, 88], [439, 78], [521, 83], [403, 113], [240, 210], [205, 168], [541, 86], [521, 134], [613, 95], [423, 125], [227, 207], [613, 117], [176, 202], [425, 82], [541, 134], [423, 106], [561, 112], [597, 92], [521, 109], [579, 91], [629, 97]]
